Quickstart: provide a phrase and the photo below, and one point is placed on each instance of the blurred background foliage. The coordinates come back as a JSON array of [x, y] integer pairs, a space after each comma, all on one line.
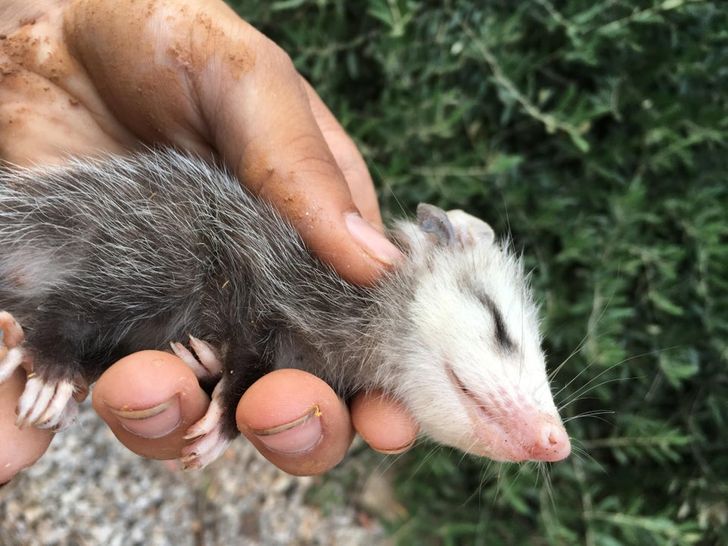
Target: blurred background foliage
[[595, 133]]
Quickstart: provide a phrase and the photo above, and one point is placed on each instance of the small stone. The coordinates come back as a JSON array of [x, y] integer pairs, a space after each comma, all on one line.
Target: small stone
[[89, 489]]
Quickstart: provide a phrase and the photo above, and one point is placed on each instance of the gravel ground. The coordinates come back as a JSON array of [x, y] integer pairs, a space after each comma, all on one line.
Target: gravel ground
[[89, 490]]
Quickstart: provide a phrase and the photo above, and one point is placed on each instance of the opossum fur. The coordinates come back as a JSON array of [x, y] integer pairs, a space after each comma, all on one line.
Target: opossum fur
[[101, 258]]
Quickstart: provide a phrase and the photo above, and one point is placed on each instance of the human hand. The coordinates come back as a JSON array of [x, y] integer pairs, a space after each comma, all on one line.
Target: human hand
[[107, 76]]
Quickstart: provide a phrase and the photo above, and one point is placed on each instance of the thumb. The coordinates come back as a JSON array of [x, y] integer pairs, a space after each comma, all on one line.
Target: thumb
[[265, 129]]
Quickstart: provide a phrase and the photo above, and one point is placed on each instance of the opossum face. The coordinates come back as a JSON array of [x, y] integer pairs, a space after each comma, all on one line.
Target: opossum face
[[475, 329]]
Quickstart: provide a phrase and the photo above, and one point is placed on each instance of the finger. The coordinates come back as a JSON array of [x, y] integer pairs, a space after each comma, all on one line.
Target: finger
[[149, 399], [348, 158], [265, 128], [383, 423], [20, 448], [296, 421]]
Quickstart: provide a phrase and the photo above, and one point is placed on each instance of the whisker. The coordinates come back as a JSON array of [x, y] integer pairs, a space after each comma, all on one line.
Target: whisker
[[594, 413], [576, 448], [591, 327], [623, 361], [578, 348], [387, 185], [580, 395], [543, 467], [583, 370], [606, 370], [435, 448]]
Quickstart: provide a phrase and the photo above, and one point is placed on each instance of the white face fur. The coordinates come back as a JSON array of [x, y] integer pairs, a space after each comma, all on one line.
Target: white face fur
[[485, 390]]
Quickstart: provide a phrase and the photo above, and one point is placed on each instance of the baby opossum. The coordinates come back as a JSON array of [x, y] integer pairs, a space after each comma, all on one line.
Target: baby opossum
[[101, 258]]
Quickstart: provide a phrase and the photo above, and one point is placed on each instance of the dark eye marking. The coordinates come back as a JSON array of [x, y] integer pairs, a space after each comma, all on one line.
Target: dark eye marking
[[501, 334]]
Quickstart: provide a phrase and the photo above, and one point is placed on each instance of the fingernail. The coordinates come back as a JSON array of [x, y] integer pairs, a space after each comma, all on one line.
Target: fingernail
[[374, 243], [151, 423], [298, 436], [397, 450]]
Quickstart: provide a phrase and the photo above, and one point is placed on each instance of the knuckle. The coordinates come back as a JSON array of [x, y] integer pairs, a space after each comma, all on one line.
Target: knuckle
[[278, 61]]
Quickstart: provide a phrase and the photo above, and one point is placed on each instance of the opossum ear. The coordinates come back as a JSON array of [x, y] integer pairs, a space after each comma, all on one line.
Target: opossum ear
[[470, 230], [435, 223]]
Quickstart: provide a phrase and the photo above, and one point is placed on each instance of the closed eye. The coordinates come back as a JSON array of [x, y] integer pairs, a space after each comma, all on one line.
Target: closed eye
[[501, 333]]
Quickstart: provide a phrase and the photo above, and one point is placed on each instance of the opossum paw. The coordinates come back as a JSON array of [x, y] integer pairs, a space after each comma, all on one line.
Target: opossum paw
[[205, 362], [10, 359], [205, 450], [11, 354], [63, 420], [207, 440], [46, 404]]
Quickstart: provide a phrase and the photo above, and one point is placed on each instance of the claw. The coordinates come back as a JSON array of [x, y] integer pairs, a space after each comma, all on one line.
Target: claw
[[207, 355], [11, 354], [211, 418], [188, 358], [207, 439], [207, 451], [204, 362], [61, 398], [12, 359], [44, 403], [27, 400], [39, 406], [62, 420]]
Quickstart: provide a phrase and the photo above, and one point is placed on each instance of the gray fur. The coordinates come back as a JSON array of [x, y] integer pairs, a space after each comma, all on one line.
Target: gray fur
[[102, 258], [153, 247]]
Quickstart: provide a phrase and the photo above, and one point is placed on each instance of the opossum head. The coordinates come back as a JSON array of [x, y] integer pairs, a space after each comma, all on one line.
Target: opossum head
[[475, 375]]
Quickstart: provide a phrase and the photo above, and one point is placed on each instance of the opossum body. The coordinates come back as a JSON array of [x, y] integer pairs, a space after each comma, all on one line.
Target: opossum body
[[99, 259]]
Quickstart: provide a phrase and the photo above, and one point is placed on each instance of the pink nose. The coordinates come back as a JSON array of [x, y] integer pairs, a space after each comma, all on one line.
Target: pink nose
[[552, 443]]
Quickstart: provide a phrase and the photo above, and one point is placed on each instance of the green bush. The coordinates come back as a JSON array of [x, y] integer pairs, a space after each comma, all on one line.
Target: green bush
[[596, 133]]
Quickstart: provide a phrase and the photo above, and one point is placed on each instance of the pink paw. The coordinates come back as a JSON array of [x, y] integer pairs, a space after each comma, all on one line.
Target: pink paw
[[43, 404], [11, 354], [207, 441], [205, 361], [46, 404]]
